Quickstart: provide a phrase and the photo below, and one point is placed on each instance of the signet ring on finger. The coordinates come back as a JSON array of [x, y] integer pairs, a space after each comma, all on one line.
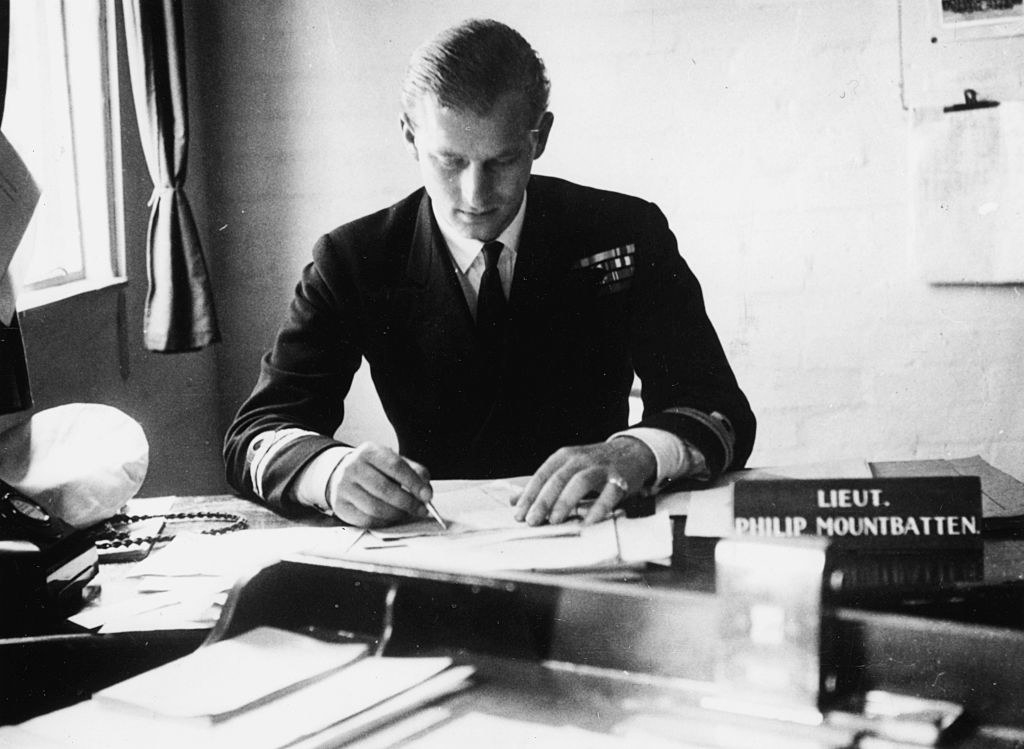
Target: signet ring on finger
[[620, 483]]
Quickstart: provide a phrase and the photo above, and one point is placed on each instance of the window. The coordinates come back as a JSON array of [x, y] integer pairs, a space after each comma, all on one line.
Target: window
[[61, 117]]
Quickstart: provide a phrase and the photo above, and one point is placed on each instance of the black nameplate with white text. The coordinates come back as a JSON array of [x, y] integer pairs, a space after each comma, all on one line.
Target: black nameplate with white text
[[920, 511]]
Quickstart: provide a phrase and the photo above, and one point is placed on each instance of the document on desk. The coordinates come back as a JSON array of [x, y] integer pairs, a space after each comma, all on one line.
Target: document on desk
[[570, 546], [184, 584], [231, 675], [484, 536], [471, 506]]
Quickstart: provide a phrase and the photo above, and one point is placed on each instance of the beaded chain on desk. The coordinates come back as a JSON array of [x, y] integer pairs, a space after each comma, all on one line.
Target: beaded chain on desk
[[107, 536]]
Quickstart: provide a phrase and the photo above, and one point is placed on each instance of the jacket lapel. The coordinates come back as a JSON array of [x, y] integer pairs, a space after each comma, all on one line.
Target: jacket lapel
[[430, 302], [433, 323], [538, 278]]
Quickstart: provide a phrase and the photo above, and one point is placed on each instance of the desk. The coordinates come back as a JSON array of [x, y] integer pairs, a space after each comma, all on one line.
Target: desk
[[980, 666]]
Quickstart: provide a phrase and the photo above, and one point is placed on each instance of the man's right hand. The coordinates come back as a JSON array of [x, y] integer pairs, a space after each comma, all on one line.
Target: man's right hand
[[374, 486]]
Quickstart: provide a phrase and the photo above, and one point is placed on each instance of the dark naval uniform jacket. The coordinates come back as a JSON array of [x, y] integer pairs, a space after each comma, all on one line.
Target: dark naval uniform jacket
[[599, 292]]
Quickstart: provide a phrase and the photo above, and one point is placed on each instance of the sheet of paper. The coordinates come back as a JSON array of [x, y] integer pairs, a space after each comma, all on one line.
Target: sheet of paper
[[567, 546], [127, 613], [647, 539], [968, 193], [709, 513], [853, 468], [388, 715], [340, 696], [473, 506], [484, 536], [477, 729], [17, 736], [232, 554], [232, 674], [391, 735], [184, 584], [18, 197], [185, 612], [516, 532]]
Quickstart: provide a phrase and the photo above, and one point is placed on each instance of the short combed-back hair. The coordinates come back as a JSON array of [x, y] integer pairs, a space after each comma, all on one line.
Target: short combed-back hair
[[471, 65]]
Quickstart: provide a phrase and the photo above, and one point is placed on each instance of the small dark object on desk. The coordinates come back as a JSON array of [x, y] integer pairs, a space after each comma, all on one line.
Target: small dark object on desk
[[638, 506], [44, 564], [107, 536]]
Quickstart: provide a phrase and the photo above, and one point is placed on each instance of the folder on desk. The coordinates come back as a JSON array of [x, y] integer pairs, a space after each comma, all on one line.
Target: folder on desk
[[227, 677]]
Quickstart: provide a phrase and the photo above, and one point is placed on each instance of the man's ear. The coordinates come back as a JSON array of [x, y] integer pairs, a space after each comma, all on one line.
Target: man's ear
[[543, 131], [409, 136]]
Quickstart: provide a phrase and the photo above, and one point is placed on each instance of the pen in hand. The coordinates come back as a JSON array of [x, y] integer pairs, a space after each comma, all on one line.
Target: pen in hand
[[436, 515], [426, 497], [425, 493]]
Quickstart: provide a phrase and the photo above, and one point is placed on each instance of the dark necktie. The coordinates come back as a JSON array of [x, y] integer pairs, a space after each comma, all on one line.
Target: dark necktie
[[490, 302]]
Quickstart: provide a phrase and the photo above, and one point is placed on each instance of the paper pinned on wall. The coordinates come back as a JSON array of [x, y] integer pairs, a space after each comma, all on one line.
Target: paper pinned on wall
[[19, 195], [967, 177]]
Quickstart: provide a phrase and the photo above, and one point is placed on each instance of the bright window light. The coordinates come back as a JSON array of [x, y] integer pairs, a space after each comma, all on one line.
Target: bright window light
[[59, 116]]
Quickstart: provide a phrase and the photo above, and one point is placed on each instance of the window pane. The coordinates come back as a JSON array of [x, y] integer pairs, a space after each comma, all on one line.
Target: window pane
[[56, 116]]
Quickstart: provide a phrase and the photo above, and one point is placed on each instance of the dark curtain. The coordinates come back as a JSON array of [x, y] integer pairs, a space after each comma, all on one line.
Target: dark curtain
[[15, 394], [179, 312]]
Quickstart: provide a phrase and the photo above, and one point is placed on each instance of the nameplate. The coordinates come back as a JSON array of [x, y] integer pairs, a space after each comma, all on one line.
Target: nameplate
[[922, 511]]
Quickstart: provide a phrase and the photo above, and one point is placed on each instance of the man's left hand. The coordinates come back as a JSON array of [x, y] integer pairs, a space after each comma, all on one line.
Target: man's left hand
[[611, 471]]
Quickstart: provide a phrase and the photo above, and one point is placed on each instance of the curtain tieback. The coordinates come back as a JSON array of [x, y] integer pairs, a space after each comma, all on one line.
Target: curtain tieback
[[157, 191]]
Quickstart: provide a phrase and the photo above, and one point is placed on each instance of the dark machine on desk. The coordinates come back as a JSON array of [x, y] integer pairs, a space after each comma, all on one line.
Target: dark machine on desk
[[45, 564]]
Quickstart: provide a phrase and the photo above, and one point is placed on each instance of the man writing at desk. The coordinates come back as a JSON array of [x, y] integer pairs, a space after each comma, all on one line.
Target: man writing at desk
[[503, 316]]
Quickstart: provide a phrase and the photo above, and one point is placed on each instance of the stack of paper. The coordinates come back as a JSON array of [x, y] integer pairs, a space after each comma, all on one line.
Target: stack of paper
[[483, 536], [184, 584], [264, 689]]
